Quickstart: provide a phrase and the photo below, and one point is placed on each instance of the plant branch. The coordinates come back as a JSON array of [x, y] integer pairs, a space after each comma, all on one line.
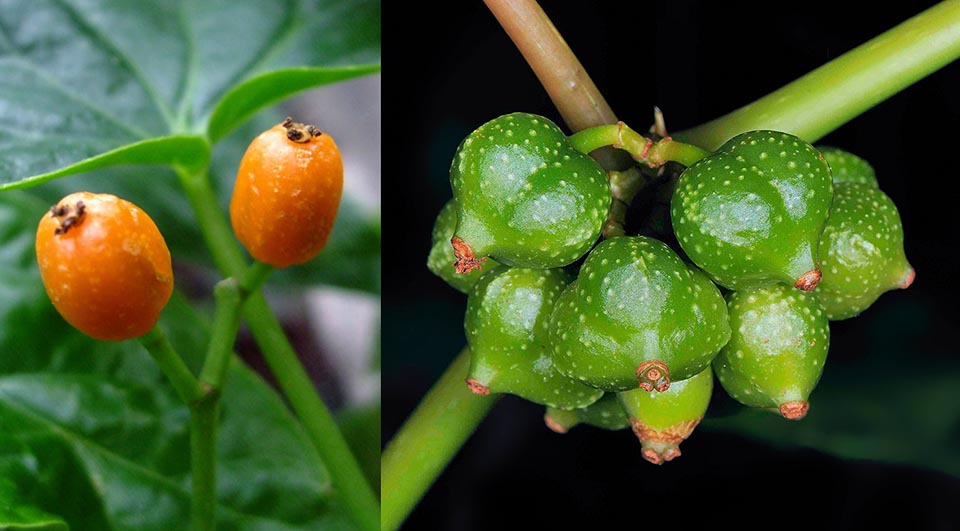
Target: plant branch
[[428, 440], [203, 403], [842, 89], [171, 364], [352, 489], [652, 153], [558, 69], [203, 458]]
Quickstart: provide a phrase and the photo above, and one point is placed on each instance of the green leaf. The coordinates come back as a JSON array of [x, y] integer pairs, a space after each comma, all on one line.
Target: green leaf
[[18, 479], [245, 99], [191, 152], [84, 85], [105, 436]]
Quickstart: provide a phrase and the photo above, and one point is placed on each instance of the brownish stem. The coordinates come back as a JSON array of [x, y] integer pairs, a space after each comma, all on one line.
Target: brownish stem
[[554, 63]]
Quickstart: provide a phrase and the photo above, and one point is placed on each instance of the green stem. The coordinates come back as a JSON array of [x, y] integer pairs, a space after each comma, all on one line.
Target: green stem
[[203, 408], [203, 442], [230, 294], [226, 322], [642, 149], [171, 364], [428, 440], [351, 487], [842, 89]]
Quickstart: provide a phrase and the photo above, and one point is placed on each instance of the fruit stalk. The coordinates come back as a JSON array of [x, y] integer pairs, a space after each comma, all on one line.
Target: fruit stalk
[[652, 153], [835, 93], [203, 423], [428, 440], [171, 364], [351, 487]]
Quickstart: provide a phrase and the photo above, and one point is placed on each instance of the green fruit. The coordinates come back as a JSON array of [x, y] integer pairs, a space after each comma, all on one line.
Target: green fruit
[[637, 312], [525, 197], [846, 167], [751, 214], [606, 413], [441, 258], [777, 351], [861, 251], [508, 312], [663, 420]]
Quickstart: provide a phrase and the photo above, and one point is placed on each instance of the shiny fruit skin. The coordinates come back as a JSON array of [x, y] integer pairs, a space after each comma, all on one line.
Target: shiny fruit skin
[[861, 251], [286, 196], [525, 196], [777, 351], [506, 324], [845, 167], [109, 273], [441, 258], [635, 302], [751, 214]]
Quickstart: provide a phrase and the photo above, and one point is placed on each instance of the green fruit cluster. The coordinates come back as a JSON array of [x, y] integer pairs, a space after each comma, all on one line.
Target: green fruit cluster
[[773, 239]]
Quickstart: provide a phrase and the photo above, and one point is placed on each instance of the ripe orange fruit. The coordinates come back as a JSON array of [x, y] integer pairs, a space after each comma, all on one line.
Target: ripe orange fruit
[[104, 265], [287, 194]]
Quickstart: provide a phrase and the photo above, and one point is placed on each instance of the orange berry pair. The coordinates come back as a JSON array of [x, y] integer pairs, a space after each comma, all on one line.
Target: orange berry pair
[[107, 269]]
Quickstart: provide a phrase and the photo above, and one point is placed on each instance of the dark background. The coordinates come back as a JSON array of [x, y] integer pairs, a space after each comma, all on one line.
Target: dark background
[[697, 61]]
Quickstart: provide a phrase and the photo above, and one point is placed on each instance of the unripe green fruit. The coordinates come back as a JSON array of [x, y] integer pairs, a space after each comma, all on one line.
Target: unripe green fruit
[[525, 196], [663, 420], [751, 214], [606, 413], [637, 312], [508, 312], [846, 167], [441, 258], [861, 251], [776, 353]]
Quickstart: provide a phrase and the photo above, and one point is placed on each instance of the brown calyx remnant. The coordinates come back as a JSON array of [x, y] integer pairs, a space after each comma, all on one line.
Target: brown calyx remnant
[[466, 260], [68, 216], [794, 409], [908, 278], [653, 374], [808, 281], [300, 133], [660, 446], [477, 388], [554, 426]]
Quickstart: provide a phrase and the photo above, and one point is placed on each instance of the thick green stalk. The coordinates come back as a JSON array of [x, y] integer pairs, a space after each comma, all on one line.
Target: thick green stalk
[[351, 487], [428, 440], [203, 458], [842, 89]]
